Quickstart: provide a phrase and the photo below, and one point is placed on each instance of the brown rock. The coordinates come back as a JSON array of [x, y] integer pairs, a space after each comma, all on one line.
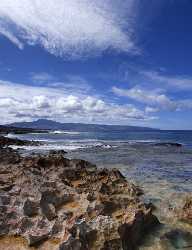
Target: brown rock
[[71, 203]]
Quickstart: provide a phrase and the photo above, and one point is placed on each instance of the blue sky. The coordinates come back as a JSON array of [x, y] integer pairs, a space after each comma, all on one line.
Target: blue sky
[[112, 62]]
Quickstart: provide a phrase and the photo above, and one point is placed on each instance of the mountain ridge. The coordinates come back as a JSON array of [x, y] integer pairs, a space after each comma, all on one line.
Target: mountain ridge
[[80, 127]]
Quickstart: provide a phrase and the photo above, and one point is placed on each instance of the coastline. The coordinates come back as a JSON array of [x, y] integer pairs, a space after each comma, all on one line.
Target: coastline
[[71, 202], [51, 202]]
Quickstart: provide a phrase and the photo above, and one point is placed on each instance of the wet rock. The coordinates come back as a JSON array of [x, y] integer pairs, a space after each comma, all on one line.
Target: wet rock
[[56, 152], [179, 239], [169, 144]]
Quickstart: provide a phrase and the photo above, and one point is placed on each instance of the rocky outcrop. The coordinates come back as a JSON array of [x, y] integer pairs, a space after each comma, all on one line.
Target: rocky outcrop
[[9, 156], [5, 141], [56, 203]]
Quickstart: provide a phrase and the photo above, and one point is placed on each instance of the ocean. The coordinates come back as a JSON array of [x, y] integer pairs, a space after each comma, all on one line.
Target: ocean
[[146, 158]]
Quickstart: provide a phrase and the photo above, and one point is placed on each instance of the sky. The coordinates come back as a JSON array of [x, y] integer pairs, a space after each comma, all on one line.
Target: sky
[[108, 62]]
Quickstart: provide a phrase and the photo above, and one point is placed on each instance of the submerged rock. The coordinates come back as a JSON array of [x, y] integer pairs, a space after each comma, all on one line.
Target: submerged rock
[[169, 144], [56, 152], [179, 239], [72, 204]]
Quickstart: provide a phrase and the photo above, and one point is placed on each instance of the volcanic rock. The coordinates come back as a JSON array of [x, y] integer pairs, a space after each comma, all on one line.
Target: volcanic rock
[[70, 204]]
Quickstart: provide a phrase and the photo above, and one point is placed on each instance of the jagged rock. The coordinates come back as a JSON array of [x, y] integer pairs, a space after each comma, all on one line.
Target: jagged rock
[[72, 203]]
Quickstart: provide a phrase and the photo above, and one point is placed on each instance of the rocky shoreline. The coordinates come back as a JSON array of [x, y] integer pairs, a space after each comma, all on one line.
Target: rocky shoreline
[[5, 142], [49, 202]]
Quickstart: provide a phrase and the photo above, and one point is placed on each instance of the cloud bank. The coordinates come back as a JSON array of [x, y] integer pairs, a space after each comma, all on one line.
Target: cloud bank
[[70, 28], [16, 104]]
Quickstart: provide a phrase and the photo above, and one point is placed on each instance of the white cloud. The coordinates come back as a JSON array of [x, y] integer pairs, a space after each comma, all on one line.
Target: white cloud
[[40, 102], [70, 28], [151, 110], [154, 99], [69, 83], [22, 102], [72, 84], [11, 37], [178, 82], [6, 102], [147, 97]]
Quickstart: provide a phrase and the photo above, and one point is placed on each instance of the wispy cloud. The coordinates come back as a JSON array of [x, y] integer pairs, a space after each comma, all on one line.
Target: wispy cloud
[[155, 99], [68, 83], [42, 77], [11, 37], [178, 82], [70, 28], [17, 104]]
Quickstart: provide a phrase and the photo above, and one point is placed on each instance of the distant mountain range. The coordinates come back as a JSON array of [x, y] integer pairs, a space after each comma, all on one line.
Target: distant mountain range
[[44, 124]]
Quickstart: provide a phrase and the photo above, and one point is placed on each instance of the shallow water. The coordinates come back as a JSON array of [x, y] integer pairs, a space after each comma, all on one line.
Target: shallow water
[[164, 171]]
